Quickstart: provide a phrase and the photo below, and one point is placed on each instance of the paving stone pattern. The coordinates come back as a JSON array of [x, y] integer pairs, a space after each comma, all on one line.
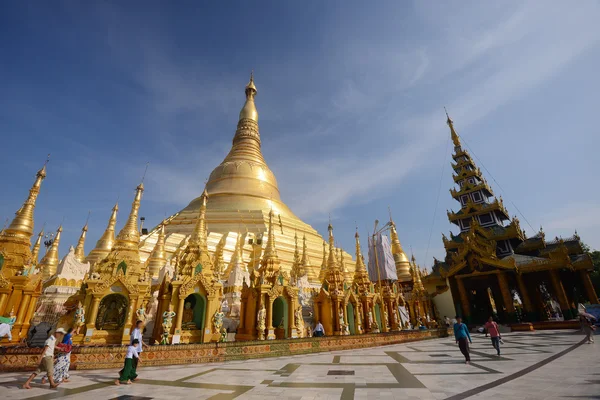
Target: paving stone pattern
[[533, 365]]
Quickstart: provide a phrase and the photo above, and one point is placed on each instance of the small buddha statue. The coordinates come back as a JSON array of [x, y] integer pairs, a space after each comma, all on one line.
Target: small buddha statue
[[188, 317]]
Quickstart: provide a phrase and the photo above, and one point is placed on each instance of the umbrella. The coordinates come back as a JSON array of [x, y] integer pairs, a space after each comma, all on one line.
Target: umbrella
[[587, 315]]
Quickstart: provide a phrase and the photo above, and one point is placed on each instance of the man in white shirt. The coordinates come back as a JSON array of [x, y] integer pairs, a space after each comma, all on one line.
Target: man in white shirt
[[46, 360], [319, 330], [137, 333]]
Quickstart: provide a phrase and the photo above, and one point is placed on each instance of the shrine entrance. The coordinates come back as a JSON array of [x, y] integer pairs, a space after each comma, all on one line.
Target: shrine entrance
[[351, 319], [194, 312], [280, 318]]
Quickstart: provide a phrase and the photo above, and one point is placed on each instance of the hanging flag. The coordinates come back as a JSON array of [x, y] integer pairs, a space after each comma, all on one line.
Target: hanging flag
[[385, 260]]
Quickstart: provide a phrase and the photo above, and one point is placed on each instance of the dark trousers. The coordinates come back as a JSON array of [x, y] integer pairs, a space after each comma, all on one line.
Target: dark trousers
[[496, 343], [463, 345], [135, 363]]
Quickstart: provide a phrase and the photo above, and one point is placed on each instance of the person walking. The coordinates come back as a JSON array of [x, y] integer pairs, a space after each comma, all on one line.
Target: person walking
[[46, 360], [588, 328], [319, 330], [137, 333], [63, 358], [128, 373], [492, 328], [463, 338]]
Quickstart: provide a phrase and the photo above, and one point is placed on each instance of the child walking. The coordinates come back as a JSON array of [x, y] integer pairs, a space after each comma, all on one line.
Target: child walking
[[128, 373]]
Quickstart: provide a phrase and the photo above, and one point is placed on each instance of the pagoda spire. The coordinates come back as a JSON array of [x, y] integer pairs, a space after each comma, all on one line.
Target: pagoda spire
[[129, 236], [296, 263], [322, 272], [36, 248], [331, 261], [106, 242], [21, 228], [417, 284], [476, 198], [236, 258], [50, 260], [455, 138], [158, 257], [305, 262], [200, 234], [361, 276], [400, 258], [270, 262], [79, 251]]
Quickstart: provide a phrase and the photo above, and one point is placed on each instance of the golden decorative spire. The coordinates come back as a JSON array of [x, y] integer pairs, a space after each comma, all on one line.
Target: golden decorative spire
[[21, 226], [450, 123], [305, 262], [295, 271], [249, 109], [50, 260], [270, 261], [106, 242], [416, 273], [36, 248], [129, 236], [361, 276], [200, 234], [400, 258], [322, 272], [79, 251], [331, 261], [218, 261], [236, 257], [158, 257]]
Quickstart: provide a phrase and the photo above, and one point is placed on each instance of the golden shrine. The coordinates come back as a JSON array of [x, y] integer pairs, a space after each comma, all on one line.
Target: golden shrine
[[20, 283], [195, 291], [117, 284], [269, 305], [494, 269], [357, 307]]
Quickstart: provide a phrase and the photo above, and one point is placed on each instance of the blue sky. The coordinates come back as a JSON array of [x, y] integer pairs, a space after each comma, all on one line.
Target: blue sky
[[351, 99]]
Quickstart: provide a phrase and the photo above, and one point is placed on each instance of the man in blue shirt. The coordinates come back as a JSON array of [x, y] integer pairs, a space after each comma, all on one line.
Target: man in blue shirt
[[463, 338]]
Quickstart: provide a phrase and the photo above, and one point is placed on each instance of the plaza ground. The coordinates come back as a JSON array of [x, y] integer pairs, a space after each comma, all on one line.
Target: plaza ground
[[533, 365]]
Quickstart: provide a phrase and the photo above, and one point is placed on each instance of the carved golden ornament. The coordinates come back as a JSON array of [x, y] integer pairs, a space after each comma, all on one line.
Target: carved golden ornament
[[188, 287], [110, 281]]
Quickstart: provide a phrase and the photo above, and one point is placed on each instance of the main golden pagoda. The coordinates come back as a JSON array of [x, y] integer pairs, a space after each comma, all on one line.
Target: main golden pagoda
[[243, 190]]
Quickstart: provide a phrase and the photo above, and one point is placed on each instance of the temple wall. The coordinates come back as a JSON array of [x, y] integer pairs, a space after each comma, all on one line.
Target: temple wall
[[98, 357]]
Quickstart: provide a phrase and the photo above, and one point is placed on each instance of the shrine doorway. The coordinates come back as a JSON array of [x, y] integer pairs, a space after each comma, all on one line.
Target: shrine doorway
[[112, 312], [378, 316], [280, 318], [194, 319], [351, 319]]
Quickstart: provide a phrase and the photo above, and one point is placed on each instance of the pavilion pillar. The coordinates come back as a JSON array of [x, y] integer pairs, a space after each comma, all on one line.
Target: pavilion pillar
[[507, 297], [589, 287], [3, 299], [91, 319], [179, 316], [524, 294], [464, 300], [559, 290]]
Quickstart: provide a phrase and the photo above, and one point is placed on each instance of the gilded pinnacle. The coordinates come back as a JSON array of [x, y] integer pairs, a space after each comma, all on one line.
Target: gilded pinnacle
[[106, 242]]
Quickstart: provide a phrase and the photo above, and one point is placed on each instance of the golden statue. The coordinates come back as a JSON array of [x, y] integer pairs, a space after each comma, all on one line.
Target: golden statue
[[299, 322], [261, 326], [188, 317], [79, 318]]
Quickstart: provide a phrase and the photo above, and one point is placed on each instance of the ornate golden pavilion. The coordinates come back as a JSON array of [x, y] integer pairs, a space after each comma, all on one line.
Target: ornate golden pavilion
[[493, 268]]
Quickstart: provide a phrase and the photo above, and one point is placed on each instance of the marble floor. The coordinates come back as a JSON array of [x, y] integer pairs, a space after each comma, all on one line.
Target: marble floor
[[533, 365]]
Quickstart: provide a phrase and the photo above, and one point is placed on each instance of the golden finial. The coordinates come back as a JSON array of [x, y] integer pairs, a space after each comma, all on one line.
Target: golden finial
[[50, 260], [249, 110], [36, 247], [158, 257], [305, 259], [79, 250], [455, 138], [129, 236], [106, 242], [200, 234]]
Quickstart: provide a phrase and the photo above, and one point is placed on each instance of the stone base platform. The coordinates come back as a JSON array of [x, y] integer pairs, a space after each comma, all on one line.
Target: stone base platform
[[17, 358], [545, 325]]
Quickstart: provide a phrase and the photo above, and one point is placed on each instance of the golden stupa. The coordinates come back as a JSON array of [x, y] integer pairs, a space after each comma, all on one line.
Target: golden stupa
[[243, 190]]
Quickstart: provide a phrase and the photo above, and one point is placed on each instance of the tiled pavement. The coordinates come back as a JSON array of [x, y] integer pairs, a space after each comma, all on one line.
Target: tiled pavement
[[536, 365]]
